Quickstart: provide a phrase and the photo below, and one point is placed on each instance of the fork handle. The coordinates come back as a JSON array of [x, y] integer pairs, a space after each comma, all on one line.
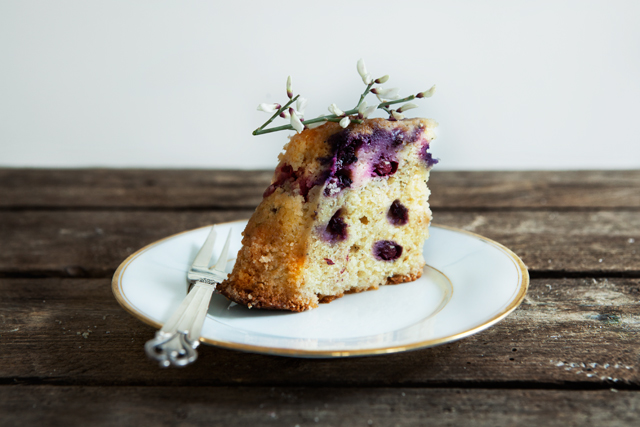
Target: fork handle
[[175, 344]]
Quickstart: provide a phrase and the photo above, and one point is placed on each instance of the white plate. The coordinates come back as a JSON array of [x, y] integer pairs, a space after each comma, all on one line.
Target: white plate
[[469, 284]]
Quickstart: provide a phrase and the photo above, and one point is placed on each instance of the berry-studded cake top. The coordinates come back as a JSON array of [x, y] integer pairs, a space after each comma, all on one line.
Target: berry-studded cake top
[[338, 158]]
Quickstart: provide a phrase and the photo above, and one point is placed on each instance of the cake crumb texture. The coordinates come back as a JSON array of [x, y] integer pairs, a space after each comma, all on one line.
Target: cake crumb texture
[[347, 211]]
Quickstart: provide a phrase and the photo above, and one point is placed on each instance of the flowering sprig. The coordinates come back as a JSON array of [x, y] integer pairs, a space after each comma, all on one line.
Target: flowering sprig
[[386, 98]]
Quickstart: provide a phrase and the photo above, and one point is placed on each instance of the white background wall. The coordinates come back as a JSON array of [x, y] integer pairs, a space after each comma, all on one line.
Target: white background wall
[[521, 84]]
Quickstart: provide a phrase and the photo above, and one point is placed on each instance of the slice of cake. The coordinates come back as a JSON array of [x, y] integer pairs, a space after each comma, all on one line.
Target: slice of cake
[[347, 211]]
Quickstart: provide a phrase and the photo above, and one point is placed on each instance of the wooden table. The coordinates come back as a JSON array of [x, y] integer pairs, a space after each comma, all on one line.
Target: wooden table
[[70, 355]]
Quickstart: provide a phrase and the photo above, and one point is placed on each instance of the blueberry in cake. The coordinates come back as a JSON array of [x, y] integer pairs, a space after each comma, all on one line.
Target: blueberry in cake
[[347, 211]]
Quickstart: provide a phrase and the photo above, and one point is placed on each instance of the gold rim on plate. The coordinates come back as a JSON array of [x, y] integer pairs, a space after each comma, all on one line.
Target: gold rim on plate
[[522, 290]]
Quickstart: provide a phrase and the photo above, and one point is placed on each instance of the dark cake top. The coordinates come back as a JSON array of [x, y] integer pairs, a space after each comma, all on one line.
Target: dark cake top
[[351, 156], [377, 150]]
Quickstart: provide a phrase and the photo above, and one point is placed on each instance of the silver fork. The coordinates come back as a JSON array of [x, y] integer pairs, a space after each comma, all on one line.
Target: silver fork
[[175, 344]]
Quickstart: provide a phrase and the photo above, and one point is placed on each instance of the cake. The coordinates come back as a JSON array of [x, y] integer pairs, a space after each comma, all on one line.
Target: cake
[[347, 211]]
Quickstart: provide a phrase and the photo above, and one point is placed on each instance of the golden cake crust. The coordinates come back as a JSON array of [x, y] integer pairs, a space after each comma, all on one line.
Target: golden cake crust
[[266, 299]]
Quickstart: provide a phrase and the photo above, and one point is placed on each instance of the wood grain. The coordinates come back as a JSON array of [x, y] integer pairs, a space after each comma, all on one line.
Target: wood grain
[[70, 355], [535, 190], [242, 406], [94, 243], [216, 189], [88, 243], [113, 188], [574, 333]]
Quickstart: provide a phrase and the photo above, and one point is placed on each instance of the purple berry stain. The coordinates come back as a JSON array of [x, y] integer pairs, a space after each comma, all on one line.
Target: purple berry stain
[[384, 167], [428, 157], [344, 146], [398, 213], [285, 175], [386, 250], [336, 230], [380, 148], [329, 262]]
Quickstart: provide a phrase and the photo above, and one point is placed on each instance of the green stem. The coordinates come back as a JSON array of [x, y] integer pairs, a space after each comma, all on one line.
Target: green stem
[[386, 104], [277, 113], [346, 113], [327, 118], [365, 93], [276, 129], [320, 119], [330, 117]]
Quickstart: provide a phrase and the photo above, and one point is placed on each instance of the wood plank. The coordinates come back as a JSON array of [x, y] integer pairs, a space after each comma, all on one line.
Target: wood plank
[[535, 189], [117, 188], [88, 244], [575, 333], [215, 189], [94, 243], [560, 243], [241, 406]]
